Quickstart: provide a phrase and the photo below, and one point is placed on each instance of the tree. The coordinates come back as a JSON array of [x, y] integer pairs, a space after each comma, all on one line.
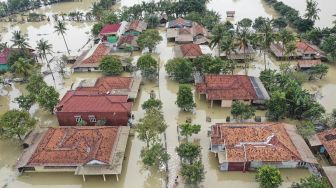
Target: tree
[[109, 17], [188, 152], [16, 123], [312, 10], [276, 106], [280, 23], [60, 28], [148, 66], [19, 40], [217, 36], [243, 38], [269, 177], [44, 48], [242, 111], [151, 126], [96, 28], [111, 65], [306, 129], [153, 21], [329, 46], [267, 37], [48, 98], [149, 39], [22, 67], [312, 182], [188, 129], [193, 173], [152, 103], [185, 99], [25, 102], [320, 69], [155, 155], [35, 83], [180, 69]]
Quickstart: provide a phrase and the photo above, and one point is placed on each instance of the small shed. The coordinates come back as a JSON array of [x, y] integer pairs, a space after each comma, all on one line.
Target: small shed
[[230, 14]]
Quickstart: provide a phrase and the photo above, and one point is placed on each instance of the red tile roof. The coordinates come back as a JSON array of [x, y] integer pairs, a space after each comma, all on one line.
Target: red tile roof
[[191, 50], [74, 146], [110, 29], [185, 31], [305, 47], [255, 141], [328, 139], [87, 101], [4, 55], [227, 87], [97, 55], [107, 84]]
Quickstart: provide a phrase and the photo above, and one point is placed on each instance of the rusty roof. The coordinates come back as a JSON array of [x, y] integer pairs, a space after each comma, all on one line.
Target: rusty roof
[[74, 146], [227, 87], [191, 50], [109, 83], [110, 28], [89, 101], [328, 139], [255, 142], [137, 25], [97, 55]]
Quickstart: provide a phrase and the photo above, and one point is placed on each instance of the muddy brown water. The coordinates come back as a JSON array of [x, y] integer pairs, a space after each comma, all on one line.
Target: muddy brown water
[[134, 174]]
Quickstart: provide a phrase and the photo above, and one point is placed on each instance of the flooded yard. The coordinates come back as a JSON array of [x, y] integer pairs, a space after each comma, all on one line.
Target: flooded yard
[[133, 173]]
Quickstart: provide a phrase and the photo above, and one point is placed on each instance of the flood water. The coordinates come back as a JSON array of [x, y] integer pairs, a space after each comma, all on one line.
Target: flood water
[[133, 173]]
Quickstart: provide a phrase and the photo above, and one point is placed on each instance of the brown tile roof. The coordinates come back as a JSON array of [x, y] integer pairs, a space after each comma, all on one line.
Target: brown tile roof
[[88, 101], [191, 50], [184, 31], [227, 87], [305, 47], [257, 141], [107, 84], [74, 146], [127, 40], [308, 63], [97, 55], [328, 139]]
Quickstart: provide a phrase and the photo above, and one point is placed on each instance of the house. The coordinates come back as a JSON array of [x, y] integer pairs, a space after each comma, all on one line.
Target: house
[[93, 108], [89, 60], [179, 23], [308, 63], [240, 54], [325, 143], [135, 27], [195, 34], [4, 66], [191, 51], [304, 50], [128, 42], [309, 51], [229, 88], [110, 33], [248, 146], [112, 85], [82, 150], [4, 55]]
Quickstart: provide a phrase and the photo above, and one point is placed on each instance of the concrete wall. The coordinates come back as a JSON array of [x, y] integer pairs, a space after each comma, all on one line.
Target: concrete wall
[[226, 103]]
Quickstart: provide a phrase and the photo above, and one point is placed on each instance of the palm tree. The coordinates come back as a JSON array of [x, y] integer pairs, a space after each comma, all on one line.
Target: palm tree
[[218, 33], [22, 67], [44, 48], [19, 40], [267, 36], [312, 10], [242, 37], [60, 28], [287, 39], [290, 48]]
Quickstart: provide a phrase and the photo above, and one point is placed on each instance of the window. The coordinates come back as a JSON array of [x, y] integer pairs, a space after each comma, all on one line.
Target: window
[[78, 119], [92, 118]]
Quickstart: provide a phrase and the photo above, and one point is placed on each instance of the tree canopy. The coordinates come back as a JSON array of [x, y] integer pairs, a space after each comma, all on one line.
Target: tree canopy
[[242, 111], [16, 123], [185, 99], [188, 129], [269, 177], [148, 66], [149, 39], [111, 65], [180, 69]]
